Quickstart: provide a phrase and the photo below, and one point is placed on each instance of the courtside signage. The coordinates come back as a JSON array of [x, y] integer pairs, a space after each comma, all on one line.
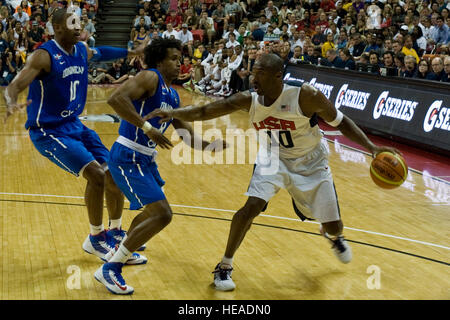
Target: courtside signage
[[412, 110]]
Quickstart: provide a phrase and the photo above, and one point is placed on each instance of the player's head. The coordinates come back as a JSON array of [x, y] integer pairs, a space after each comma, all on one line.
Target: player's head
[[66, 25], [165, 55], [267, 74]]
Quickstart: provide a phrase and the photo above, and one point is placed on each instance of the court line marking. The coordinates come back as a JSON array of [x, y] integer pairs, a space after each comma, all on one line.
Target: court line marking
[[232, 211]]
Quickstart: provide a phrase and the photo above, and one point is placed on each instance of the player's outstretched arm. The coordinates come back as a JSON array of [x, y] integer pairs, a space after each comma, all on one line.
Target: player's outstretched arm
[[137, 88], [107, 53], [181, 126], [238, 101], [39, 62], [313, 101]]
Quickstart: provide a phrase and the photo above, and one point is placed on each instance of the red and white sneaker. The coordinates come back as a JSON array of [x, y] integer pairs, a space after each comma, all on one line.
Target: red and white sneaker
[[110, 275]]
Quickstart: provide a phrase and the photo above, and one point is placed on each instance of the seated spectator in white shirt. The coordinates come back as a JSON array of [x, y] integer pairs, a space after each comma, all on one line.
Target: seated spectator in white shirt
[[186, 38], [170, 32], [231, 29], [232, 42], [21, 16]]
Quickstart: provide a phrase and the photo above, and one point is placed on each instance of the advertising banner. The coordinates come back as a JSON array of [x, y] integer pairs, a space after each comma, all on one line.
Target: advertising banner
[[416, 111]]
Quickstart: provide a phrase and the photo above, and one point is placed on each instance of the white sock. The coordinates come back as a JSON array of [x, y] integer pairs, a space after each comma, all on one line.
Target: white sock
[[122, 254], [95, 230], [115, 223], [228, 261]]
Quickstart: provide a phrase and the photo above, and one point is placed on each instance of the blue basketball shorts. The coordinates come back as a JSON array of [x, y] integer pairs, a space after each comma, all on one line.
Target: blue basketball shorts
[[71, 146], [136, 175]]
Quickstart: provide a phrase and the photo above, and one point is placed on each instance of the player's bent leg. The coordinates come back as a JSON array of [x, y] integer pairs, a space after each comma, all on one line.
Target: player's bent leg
[[95, 243], [114, 203], [333, 232], [240, 224], [155, 217], [114, 197]]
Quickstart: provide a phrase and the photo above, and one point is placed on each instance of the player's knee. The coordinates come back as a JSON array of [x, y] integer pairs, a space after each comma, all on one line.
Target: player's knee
[[166, 217], [253, 207], [164, 213], [110, 184], [95, 175]]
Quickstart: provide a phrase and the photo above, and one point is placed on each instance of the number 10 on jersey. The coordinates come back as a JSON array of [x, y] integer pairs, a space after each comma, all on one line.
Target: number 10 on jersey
[[73, 89]]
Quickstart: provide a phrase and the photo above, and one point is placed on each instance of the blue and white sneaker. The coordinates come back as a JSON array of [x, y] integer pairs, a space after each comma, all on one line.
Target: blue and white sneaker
[[135, 258], [110, 275], [97, 245], [115, 236]]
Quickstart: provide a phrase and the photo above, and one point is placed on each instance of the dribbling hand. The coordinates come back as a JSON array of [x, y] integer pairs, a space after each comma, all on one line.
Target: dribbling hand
[[378, 149]]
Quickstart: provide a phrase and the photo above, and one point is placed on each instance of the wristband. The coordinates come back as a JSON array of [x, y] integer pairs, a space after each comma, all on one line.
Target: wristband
[[337, 121], [146, 127]]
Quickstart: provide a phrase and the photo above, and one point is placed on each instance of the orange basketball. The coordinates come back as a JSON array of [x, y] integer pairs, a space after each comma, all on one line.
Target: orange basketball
[[388, 170]]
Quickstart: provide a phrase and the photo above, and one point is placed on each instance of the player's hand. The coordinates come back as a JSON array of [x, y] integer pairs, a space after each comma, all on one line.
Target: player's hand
[[218, 145], [163, 114], [159, 138], [378, 149], [13, 107], [139, 51]]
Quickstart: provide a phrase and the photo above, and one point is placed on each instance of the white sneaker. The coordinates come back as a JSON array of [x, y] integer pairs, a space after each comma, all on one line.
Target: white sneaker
[[341, 248], [222, 279], [135, 258], [97, 245], [110, 275], [227, 93]]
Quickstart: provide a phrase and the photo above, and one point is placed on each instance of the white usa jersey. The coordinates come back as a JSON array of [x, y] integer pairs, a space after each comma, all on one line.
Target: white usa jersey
[[297, 134]]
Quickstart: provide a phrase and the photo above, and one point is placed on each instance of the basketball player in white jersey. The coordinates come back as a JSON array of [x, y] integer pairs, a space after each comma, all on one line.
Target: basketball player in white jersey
[[303, 170]]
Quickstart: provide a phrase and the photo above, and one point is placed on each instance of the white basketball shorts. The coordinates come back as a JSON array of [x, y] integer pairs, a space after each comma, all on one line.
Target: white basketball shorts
[[308, 180]]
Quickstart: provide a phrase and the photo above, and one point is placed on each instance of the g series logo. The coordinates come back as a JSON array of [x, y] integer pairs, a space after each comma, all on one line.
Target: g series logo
[[437, 117], [394, 107], [288, 77], [351, 98], [324, 88]]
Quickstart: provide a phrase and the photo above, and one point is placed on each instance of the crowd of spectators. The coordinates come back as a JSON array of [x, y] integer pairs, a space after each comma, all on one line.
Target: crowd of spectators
[[24, 27], [222, 39]]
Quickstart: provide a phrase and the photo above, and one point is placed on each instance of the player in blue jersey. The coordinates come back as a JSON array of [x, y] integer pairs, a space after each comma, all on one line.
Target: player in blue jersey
[[132, 157], [57, 76]]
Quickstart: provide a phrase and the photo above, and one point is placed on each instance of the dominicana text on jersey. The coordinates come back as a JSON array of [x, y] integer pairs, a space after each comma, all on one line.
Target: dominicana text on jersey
[[59, 96]]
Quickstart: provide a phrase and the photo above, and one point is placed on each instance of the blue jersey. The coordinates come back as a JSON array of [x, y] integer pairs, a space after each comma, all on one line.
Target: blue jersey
[[164, 98], [59, 96]]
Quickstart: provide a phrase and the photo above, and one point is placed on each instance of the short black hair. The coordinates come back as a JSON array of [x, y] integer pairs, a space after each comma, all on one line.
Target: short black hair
[[271, 62], [156, 51], [59, 16]]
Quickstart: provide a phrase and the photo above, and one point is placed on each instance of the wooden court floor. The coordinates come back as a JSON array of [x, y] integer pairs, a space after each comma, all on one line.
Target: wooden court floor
[[400, 238]]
